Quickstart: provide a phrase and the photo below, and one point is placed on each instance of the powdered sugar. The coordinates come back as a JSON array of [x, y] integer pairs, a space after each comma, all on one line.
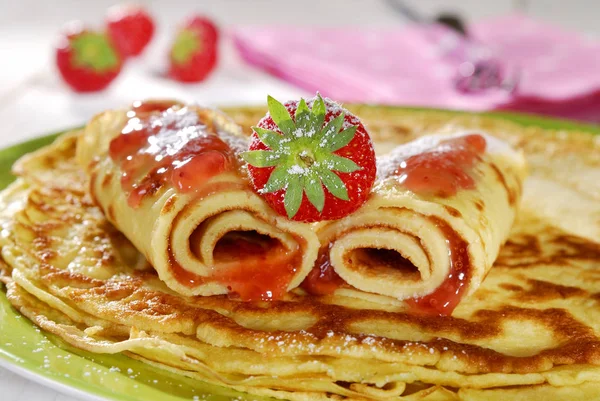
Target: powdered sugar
[[297, 170], [237, 143], [175, 128], [336, 109]]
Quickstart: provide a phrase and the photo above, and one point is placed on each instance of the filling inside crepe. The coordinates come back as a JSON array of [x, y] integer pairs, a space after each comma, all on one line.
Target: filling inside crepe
[[389, 261], [251, 265]]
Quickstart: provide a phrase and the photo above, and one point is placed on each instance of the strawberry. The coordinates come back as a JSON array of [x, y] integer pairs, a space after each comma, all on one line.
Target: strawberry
[[87, 60], [194, 52], [130, 27], [204, 25], [311, 164]]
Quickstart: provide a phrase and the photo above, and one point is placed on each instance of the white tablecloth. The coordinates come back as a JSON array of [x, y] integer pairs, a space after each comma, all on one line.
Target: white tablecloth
[[33, 101]]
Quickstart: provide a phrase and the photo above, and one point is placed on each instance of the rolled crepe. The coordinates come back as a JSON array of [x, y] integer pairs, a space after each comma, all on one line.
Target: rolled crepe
[[440, 210], [169, 178]]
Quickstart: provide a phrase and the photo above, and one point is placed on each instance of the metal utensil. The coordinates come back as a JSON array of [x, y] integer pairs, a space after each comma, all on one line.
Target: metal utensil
[[478, 70]]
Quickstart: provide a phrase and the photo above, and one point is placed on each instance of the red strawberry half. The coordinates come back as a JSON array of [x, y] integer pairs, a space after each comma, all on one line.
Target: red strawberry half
[[312, 160], [194, 52], [87, 60], [130, 27]]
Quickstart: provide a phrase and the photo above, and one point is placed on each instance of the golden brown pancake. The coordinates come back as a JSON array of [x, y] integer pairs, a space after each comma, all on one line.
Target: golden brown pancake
[[531, 331]]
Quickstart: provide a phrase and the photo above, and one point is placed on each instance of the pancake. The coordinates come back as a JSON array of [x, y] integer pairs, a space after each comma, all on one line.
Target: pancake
[[192, 213], [530, 331], [441, 208]]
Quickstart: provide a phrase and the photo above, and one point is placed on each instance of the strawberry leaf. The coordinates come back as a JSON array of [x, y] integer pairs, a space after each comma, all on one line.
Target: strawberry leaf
[[331, 129], [277, 180], [280, 116], [261, 158], [293, 195], [318, 111], [270, 138], [334, 184], [95, 51], [186, 45], [341, 164], [314, 191], [303, 117], [336, 142]]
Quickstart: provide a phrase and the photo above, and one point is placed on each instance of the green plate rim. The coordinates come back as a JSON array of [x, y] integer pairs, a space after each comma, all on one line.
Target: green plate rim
[[145, 390], [524, 119]]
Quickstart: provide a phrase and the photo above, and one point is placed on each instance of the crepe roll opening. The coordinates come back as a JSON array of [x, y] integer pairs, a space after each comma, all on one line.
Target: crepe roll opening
[[386, 260], [242, 245], [241, 252], [385, 253], [403, 256], [238, 236]]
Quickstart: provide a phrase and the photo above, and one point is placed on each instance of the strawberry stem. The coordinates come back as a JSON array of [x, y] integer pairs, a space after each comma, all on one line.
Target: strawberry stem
[[307, 157], [186, 45], [94, 50]]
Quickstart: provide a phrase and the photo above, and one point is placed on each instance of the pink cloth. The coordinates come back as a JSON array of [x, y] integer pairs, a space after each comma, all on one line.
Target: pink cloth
[[559, 71]]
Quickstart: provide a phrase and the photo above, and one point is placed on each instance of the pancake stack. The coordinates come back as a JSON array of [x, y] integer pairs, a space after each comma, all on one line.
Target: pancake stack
[[530, 331]]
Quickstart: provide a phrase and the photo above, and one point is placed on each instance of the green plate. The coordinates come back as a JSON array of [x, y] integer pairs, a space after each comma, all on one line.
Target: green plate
[[45, 358]]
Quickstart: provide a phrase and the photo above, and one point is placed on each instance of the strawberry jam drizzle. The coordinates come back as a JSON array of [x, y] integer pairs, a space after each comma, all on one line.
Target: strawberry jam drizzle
[[445, 169], [161, 146], [265, 273], [140, 109], [322, 279], [252, 271], [447, 296]]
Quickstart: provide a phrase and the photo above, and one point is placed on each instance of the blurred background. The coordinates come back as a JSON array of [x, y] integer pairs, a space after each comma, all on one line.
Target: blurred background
[[537, 56]]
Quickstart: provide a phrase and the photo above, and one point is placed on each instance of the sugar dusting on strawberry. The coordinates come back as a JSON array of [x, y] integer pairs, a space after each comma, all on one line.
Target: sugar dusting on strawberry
[[311, 160]]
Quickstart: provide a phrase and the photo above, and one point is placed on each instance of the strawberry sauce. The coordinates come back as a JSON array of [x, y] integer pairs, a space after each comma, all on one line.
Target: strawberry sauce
[[162, 145], [266, 271], [322, 279], [445, 169], [141, 109], [251, 270], [447, 296]]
